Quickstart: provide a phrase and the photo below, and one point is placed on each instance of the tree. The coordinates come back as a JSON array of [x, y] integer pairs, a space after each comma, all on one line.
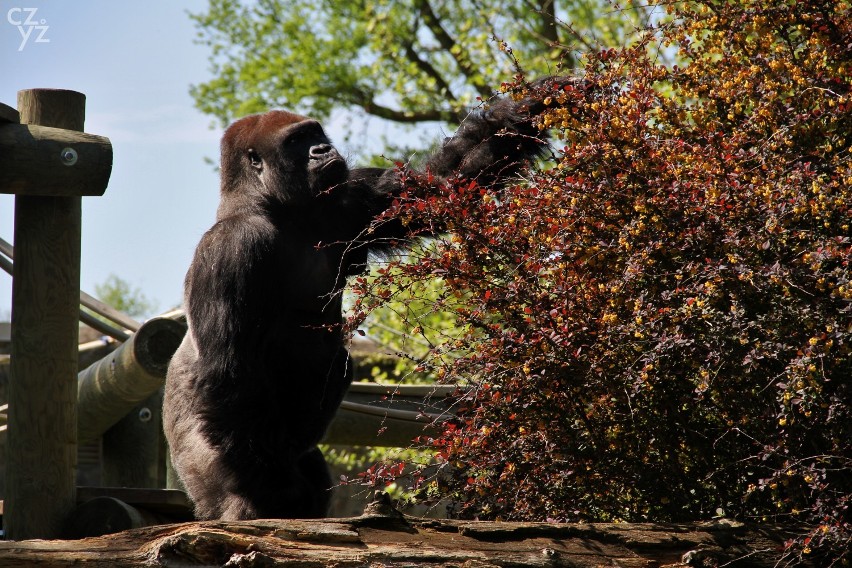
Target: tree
[[404, 61], [119, 294], [657, 327]]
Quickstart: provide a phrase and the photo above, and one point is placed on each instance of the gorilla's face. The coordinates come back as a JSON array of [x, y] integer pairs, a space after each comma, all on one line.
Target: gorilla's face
[[283, 155]]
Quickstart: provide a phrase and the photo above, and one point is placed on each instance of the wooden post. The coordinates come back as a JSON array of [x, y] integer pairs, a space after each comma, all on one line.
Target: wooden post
[[42, 436]]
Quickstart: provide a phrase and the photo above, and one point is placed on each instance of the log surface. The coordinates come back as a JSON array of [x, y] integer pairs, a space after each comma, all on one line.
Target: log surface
[[394, 541]]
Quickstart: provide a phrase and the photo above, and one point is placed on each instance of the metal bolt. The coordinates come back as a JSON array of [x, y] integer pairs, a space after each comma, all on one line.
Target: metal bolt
[[68, 156]]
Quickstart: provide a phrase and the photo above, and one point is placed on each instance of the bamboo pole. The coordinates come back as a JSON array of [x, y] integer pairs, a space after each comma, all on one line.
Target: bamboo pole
[[42, 440]]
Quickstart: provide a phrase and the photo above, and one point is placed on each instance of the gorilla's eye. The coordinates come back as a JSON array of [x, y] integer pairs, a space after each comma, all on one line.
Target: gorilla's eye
[[254, 158]]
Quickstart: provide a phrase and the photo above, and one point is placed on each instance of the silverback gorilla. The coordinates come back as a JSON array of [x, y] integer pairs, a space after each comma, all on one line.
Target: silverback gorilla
[[264, 367]]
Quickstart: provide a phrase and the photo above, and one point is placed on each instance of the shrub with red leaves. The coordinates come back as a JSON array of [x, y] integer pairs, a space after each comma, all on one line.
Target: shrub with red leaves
[[659, 326]]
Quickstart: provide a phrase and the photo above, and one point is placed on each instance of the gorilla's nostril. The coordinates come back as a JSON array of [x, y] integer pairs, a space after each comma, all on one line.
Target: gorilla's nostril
[[319, 150]]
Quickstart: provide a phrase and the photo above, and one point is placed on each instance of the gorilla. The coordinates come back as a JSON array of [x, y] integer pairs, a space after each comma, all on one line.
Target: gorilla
[[263, 367]]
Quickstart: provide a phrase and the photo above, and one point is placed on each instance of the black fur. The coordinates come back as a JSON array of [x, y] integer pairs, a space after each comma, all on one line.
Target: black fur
[[263, 368]]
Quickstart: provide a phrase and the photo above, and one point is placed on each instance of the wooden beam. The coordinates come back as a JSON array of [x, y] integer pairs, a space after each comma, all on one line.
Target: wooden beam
[[165, 501], [134, 448], [39, 160], [42, 437]]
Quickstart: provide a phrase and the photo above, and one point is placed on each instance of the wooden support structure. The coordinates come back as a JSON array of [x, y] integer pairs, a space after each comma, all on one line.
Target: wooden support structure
[[134, 448], [68, 163], [42, 439], [111, 387]]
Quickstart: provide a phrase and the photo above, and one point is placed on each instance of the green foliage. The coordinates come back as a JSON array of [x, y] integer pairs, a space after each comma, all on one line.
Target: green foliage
[[659, 326], [408, 324], [353, 463], [404, 61], [119, 294]]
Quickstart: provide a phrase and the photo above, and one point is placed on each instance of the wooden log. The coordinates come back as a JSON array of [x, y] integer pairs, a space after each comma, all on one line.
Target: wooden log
[[42, 440], [39, 160], [106, 515], [380, 539], [110, 388], [93, 351], [105, 510], [166, 502]]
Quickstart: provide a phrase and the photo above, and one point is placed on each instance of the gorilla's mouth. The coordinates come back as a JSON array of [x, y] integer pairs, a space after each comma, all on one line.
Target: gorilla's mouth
[[333, 162], [331, 172]]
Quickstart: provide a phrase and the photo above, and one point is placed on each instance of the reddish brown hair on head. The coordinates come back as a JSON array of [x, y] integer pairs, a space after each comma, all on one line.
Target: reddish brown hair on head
[[249, 132]]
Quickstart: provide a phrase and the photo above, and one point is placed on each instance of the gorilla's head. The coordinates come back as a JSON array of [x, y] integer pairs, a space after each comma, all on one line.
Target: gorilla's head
[[281, 156]]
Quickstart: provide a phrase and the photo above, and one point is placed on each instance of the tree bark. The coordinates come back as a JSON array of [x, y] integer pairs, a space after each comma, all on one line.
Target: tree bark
[[382, 538]]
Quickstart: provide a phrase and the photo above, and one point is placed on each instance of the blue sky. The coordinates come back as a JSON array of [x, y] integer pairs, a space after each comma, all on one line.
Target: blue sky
[[134, 61]]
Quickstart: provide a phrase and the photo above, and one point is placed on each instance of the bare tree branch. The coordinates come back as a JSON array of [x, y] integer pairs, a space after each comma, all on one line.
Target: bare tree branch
[[433, 22], [430, 71], [366, 101]]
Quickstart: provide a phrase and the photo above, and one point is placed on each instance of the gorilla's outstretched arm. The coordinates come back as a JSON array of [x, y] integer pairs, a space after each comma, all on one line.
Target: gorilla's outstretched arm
[[491, 146]]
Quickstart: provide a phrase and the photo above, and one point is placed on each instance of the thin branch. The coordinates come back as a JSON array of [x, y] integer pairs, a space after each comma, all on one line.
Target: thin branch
[[453, 48]]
